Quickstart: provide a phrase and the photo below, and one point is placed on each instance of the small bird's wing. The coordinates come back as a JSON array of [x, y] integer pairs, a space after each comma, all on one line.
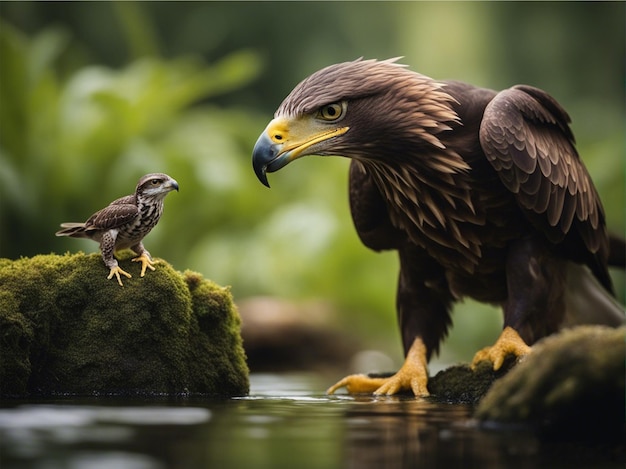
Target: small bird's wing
[[525, 135], [118, 213]]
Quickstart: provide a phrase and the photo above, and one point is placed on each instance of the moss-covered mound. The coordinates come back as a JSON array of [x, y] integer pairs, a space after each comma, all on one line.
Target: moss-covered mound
[[66, 329], [461, 384], [571, 385]]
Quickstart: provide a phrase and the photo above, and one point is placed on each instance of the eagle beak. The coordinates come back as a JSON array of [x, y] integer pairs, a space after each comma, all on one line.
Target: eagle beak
[[285, 140], [265, 158]]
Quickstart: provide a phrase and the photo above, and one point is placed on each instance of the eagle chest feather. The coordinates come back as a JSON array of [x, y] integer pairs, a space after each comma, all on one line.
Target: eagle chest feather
[[434, 207]]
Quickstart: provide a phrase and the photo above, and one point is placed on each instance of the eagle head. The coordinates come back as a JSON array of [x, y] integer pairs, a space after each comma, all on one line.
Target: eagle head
[[366, 109]]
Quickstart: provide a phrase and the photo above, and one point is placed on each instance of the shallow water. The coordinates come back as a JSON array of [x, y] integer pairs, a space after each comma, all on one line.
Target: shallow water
[[286, 422]]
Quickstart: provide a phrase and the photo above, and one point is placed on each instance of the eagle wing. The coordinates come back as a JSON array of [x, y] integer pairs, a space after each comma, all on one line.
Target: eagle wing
[[525, 135]]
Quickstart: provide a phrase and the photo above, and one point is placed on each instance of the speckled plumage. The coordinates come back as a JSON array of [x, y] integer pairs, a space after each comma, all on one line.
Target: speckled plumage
[[126, 221]]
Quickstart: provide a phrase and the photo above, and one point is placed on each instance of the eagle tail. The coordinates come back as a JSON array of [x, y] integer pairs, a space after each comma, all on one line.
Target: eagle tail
[[587, 302]]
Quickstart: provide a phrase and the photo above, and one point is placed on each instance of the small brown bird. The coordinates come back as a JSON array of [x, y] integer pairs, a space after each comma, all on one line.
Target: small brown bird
[[125, 222], [482, 193]]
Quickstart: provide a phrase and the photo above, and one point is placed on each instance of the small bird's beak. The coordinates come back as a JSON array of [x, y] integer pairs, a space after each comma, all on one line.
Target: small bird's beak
[[172, 185]]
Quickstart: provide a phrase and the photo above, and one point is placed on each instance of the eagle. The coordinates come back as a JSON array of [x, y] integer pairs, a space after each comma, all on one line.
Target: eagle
[[481, 193], [125, 222]]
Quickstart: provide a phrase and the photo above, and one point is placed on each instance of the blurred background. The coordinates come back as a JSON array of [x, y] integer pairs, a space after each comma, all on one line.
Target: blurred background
[[94, 95]]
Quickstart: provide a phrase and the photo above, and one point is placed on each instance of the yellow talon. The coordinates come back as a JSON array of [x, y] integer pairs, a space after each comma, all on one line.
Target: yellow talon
[[146, 262], [117, 270], [412, 376], [357, 384], [509, 343]]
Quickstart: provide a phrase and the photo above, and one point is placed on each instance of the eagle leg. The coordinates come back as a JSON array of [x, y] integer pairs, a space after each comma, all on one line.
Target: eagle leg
[[412, 376], [117, 270], [509, 342], [535, 304], [145, 258]]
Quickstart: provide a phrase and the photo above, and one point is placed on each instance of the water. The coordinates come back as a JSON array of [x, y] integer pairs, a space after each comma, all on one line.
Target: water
[[286, 422]]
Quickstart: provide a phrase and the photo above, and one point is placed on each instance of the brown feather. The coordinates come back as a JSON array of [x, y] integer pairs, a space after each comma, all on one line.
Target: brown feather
[[471, 186]]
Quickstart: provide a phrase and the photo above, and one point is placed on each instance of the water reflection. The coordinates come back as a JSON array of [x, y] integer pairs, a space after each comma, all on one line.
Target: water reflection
[[404, 433], [286, 422]]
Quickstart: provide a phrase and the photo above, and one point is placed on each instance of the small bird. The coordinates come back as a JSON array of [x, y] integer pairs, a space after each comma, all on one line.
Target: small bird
[[125, 222]]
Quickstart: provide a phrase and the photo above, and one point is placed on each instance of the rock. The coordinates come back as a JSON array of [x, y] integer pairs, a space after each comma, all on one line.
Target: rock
[[571, 386], [66, 329], [282, 335], [459, 384]]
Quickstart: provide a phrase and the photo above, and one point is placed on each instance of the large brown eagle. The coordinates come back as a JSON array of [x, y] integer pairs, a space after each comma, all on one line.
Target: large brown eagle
[[482, 193]]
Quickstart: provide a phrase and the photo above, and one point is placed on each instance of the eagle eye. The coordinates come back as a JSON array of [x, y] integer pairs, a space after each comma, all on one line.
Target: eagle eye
[[332, 112]]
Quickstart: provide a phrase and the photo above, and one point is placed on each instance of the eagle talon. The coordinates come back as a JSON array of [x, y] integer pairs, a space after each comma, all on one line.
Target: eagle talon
[[146, 263], [509, 343], [412, 376], [357, 384], [117, 270]]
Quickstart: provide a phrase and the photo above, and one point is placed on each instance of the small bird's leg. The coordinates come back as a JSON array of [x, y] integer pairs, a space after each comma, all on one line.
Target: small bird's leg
[[412, 376], [107, 246], [144, 257], [117, 270]]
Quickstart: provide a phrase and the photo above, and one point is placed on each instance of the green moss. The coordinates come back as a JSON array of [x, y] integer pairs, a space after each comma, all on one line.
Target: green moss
[[573, 382], [214, 304], [66, 328], [461, 385]]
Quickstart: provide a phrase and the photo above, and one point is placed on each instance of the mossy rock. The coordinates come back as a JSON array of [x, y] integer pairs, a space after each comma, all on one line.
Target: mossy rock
[[460, 384], [572, 385], [66, 329]]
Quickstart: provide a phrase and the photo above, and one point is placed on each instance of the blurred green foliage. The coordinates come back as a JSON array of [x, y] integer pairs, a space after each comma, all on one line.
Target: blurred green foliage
[[93, 95]]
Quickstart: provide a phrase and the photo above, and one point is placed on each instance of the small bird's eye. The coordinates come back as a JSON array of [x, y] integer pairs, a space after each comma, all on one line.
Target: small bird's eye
[[155, 182], [331, 112]]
